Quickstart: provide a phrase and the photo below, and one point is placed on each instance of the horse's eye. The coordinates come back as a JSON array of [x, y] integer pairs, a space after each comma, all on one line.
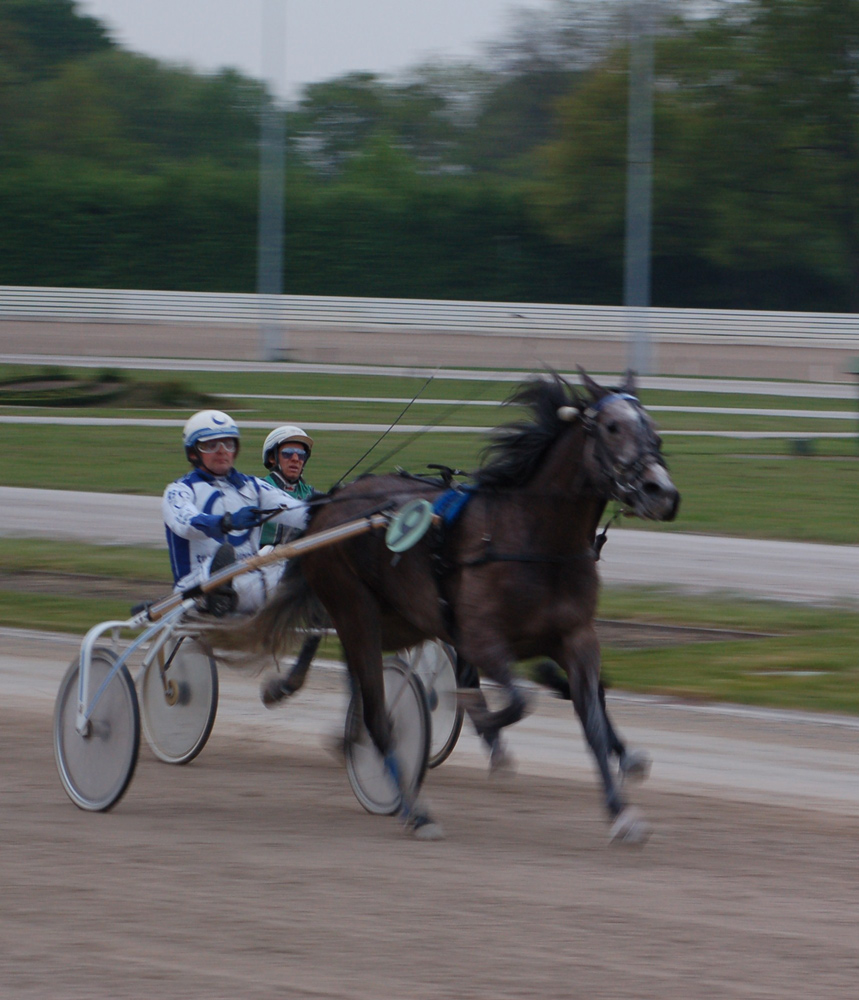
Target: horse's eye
[[612, 428]]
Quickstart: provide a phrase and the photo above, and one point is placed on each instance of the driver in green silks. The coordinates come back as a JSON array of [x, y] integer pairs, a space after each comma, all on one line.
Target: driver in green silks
[[285, 454]]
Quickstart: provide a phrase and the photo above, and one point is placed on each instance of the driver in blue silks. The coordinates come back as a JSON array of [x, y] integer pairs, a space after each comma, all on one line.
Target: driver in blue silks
[[213, 515]]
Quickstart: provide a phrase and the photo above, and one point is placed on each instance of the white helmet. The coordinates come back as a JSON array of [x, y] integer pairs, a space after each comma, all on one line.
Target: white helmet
[[279, 436], [208, 424]]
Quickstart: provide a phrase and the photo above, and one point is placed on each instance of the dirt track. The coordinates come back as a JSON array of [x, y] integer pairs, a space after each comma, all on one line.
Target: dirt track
[[253, 872]]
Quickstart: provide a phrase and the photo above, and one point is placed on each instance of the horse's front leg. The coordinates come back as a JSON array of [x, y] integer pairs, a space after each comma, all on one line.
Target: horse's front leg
[[633, 764], [582, 656]]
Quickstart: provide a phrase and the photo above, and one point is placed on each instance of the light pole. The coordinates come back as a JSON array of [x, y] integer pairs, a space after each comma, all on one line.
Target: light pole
[[639, 183], [273, 344]]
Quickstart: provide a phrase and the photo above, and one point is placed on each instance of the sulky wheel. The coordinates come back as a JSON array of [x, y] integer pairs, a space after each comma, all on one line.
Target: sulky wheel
[[179, 701], [407, 707], [435, 664], [96, 766]]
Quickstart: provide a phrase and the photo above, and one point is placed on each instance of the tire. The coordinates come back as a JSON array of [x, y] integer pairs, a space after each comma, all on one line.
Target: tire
[[177, 721], [435, 664], [96, 768], [365, 766]]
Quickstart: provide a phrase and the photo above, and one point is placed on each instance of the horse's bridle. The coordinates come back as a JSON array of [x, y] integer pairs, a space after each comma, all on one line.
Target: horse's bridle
[[624, 478]]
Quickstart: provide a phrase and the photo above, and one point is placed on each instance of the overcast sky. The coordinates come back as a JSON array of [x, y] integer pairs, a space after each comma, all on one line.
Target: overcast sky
[[321, 38]]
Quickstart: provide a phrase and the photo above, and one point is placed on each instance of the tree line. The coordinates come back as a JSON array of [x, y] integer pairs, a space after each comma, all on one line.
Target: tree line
[[503, 180]]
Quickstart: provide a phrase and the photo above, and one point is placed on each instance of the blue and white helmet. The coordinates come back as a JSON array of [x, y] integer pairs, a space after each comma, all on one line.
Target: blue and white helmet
[[208, 424]]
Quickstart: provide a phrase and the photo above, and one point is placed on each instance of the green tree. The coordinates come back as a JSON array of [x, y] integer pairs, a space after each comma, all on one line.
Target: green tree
[[36, 36], [755, 173]]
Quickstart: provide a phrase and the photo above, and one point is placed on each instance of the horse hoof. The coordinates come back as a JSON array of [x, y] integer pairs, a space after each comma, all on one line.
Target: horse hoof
[[502, 763], [424, 828], [630, 827], [273, 691], [635, 765]]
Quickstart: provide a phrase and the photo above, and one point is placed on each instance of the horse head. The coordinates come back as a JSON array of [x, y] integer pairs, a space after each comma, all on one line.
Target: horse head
[[625, 454]]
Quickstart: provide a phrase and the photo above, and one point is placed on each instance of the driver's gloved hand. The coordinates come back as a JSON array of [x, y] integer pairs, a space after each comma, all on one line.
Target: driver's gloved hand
[[241, 520]]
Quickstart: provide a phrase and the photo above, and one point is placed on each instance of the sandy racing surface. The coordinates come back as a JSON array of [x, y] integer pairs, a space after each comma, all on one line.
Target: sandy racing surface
[[253, 872]]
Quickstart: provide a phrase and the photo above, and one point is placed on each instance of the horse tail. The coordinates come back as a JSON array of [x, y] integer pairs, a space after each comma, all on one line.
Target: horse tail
[[276, 629]]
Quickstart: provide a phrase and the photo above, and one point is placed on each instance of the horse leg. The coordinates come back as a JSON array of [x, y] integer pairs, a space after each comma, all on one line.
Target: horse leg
[[277, 688], [493, 660], [582, 654], [633, 764], [501, 760], [362, 647]]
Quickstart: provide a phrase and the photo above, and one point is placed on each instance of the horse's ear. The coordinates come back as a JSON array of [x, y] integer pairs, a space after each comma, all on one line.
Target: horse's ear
[[594, 388], [629, 383]]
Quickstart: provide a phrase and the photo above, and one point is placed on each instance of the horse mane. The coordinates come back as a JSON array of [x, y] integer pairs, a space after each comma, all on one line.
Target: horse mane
[[517, 449]]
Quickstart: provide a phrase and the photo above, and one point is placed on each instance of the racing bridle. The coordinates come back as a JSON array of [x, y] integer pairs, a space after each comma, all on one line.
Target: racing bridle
[[622, 478]]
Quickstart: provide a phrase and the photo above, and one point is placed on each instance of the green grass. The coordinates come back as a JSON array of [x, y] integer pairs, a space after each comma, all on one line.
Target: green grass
[[675, 397], [809, 662], [116, 561], [143, 460], [814, 673], [57, 613], [743, 488]]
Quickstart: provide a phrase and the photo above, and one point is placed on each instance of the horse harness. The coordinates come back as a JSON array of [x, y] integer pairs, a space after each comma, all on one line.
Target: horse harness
[[443, 566]]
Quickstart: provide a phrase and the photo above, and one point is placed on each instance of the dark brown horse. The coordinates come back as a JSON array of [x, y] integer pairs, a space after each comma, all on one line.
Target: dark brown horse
[[513, 577]]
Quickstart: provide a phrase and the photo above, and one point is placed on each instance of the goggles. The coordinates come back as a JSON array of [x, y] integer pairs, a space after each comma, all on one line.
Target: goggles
[[290, 452], [229, 445]]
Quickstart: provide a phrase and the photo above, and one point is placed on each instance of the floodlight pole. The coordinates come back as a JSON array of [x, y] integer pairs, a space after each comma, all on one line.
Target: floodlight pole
[[639, 183], [273, 345]]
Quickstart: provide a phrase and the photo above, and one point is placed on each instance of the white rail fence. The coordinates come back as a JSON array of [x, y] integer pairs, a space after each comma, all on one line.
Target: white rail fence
[[612, 323]]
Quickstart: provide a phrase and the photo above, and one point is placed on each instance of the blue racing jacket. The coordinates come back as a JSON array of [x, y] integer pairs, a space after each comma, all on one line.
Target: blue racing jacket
[[193, 507]]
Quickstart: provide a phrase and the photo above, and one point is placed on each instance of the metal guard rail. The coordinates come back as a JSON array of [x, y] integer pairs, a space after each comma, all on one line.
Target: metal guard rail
[[120, 306]]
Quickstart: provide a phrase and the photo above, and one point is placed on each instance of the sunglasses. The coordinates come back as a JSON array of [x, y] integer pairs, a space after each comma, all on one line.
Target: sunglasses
[[210, 447], [289, 452]]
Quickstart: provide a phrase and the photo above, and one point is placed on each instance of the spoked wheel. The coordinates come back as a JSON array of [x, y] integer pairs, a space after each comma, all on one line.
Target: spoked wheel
[[96, 767], [407, 708], [435, 664], [179, 705]]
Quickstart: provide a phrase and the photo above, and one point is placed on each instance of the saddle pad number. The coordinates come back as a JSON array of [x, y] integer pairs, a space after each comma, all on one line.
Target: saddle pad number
[[409, 525]]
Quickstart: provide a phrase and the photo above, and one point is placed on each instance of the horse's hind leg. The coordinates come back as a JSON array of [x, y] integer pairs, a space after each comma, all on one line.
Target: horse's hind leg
[[275, 689], [583, 658], [500, 759], [493, 660]]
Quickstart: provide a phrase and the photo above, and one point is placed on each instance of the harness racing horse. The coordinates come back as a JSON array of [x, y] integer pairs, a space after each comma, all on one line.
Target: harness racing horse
[[514, 576]]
